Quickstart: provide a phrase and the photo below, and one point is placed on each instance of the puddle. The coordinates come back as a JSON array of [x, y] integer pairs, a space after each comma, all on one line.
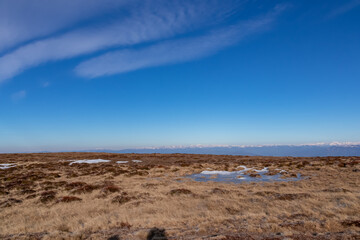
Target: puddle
[[7, 165], [90, 161], [242, 176], [122, 161]]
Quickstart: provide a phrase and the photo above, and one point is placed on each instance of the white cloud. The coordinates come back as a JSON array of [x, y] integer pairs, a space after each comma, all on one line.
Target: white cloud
[[148, 21], [175, 51], [45, 84], [344, 8], [23, 20], [18, 95]]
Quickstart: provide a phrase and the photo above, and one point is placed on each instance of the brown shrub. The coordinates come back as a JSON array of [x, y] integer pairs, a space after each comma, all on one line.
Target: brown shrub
[[232, 211], [219, 191], [272, 172], [28, 191], [10, 202], [349, 223], [265, 193], [342, 164], [74, 185], [68, 199], [125, 225], [137, 172], [110, 188], [291, 196], [3, 191], [122, 198], [47, 196], [298, 215], [283, 196], [292, 224], [336, 190], [255, 175], [180, 191], [149, 185], [87, 188], [31, 196]]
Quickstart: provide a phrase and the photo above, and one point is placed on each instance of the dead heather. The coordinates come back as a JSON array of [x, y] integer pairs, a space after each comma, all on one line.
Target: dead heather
[[44, 197]]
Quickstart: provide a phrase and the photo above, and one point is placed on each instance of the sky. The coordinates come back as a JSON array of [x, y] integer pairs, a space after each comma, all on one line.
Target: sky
[[88, 74]]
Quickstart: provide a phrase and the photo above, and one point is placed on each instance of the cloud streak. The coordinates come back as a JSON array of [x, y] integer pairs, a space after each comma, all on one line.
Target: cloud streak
[[170, 52], [148, 21], [18, 96], [175, 51], [344, 8], [23, 20]]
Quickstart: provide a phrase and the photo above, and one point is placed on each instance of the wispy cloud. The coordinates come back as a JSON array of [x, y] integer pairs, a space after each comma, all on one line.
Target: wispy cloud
[[45, 84], [169, 52], [175, 51], [149, 21], [23, 20], [18, 96], [344, 8]]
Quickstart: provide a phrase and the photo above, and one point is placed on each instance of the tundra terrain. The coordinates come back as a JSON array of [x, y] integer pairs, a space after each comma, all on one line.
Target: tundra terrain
[[131, 196]]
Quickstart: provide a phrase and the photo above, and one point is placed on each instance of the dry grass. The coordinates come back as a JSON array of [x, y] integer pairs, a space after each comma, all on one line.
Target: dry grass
[[44, 197]]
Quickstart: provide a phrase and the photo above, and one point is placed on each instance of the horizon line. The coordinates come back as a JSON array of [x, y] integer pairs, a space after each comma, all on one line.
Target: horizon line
[[319, 144]]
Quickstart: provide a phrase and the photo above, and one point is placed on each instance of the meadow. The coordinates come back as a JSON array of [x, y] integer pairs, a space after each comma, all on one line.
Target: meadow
[[50, 196]]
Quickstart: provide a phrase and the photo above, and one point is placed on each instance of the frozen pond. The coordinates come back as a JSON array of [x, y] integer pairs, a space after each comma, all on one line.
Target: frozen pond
[[7, 165], [242, 176], [90, 161]]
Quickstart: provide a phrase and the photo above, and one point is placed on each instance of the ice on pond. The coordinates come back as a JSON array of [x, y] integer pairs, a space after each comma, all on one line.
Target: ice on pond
[[244, 169], [90, 161], [122, 161], [241, 176], [215, 172], [137, 161], [7, 165]]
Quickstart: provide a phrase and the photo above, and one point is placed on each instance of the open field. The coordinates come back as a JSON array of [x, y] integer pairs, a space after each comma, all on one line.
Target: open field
[[44, 197]]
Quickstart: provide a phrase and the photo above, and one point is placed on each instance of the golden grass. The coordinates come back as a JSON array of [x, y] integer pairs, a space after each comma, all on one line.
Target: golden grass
[[45, 198]]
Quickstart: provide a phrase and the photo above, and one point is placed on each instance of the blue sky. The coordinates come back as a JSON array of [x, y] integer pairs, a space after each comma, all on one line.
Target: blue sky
[[86, 74]]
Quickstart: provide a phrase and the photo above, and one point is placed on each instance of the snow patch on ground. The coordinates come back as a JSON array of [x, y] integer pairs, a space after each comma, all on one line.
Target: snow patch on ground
[[264, 170], [90, 161], [7, 165], [137, 161], [122, 161]]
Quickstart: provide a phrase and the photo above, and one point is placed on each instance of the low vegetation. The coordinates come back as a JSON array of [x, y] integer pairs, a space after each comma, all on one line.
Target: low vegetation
[[43, 197]]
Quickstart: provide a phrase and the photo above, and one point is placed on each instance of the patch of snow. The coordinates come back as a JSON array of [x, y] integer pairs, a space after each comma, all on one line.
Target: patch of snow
[[264, 170], [122, 161], [90, 161], [215, 172], [7, 165], [137, 161]]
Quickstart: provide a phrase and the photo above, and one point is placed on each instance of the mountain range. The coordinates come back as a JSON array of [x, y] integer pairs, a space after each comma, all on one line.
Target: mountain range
[[310, 150]]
